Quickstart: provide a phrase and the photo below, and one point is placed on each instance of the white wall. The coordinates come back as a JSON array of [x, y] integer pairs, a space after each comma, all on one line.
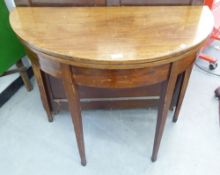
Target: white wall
[[10, 4]]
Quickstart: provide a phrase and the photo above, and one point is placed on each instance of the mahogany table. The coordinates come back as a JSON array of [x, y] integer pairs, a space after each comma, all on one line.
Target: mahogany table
[[115, 48]]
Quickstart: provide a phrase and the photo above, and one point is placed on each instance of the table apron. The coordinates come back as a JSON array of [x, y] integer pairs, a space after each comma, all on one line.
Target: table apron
[[114, 78]]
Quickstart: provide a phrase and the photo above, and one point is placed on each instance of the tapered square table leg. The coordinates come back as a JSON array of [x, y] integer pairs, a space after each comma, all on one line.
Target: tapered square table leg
[[74, 108]]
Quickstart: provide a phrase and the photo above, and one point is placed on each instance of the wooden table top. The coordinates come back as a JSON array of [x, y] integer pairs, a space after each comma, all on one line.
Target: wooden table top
[[111, 37]]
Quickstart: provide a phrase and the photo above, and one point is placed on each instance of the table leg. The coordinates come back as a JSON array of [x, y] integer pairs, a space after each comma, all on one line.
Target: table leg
[[39, 75], [40, 78], [185, 81], [72, 95], [24, 76], [165, 100], [176, 92]]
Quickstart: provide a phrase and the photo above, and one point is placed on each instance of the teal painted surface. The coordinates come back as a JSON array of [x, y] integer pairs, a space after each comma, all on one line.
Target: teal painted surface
[[11, 50]]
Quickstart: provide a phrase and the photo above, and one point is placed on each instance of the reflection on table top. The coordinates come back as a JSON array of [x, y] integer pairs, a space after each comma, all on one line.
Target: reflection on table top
[[113, 35]]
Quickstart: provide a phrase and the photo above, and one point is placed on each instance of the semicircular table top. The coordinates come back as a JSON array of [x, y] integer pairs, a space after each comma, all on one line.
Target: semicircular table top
[[113, 35]]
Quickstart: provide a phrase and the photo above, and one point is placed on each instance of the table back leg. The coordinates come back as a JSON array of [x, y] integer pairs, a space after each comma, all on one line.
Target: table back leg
[[72, 95], [176, 91], [24, 76], [186, 76]]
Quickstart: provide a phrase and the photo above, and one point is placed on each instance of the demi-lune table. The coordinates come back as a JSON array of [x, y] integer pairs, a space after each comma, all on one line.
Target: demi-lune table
[[113, 47]]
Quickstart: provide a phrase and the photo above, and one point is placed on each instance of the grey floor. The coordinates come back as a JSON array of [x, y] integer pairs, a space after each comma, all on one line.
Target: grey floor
[[118, 142]]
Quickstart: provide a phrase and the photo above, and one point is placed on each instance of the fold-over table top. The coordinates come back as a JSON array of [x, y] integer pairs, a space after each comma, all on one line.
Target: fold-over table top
[[113, 36]]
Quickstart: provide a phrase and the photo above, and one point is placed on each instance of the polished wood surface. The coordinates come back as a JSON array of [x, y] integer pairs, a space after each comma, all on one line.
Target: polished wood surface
[[124, 48], [114, 38], [148, 94], [57, 97]]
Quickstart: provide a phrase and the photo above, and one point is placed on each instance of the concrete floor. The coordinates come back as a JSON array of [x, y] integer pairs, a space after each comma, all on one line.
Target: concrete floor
[[117, 142]]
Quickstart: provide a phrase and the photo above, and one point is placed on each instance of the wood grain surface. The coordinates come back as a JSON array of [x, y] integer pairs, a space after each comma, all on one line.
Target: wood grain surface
[[114, 37]]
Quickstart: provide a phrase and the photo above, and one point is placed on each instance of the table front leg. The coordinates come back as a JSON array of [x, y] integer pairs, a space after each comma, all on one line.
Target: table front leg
[[40, 78], [72, 95], [186, 76], [165, 100]]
